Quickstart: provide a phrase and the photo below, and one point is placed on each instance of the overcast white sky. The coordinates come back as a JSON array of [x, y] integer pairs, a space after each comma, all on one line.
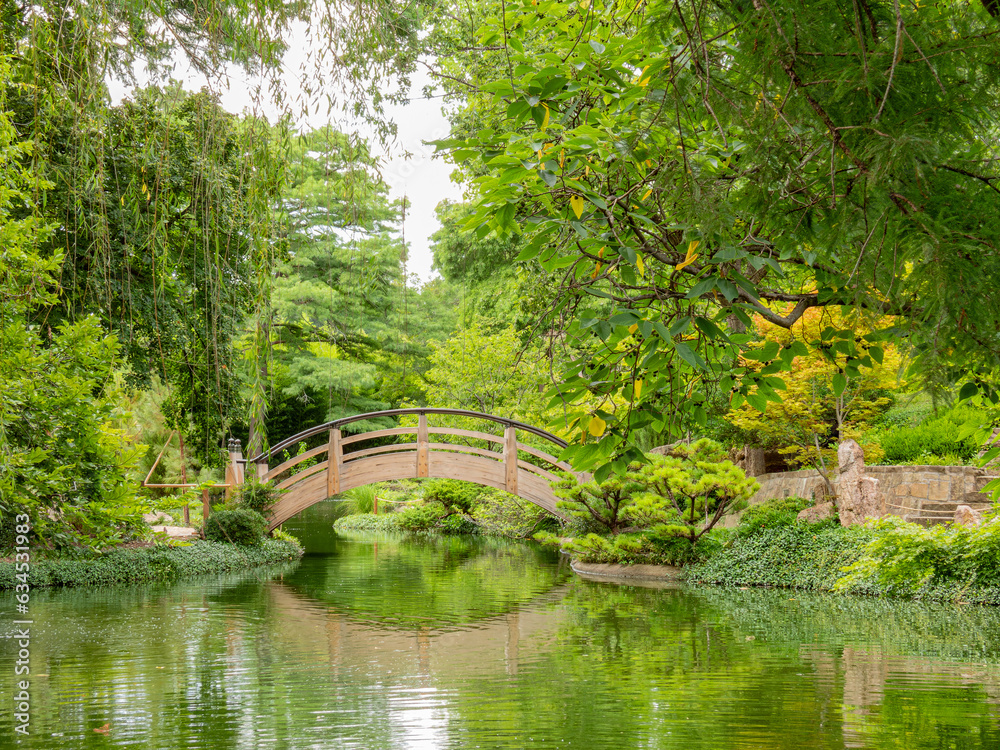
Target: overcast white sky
[[423, 180]]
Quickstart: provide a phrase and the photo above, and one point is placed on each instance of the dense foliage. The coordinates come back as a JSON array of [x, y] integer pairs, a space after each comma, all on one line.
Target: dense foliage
[[674, 169]]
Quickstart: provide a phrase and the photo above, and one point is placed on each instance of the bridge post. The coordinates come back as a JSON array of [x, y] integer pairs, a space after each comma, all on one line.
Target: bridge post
[[510, 458], [334, 461], [260, 470], [234, 471], [423, 467]]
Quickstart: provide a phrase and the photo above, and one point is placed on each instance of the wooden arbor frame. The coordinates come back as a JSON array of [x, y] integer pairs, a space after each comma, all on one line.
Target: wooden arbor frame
[[337, 470]]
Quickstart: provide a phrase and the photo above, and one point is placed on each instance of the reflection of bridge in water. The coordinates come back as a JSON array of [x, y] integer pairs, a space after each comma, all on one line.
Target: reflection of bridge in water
[[352, 642], [340, 463]]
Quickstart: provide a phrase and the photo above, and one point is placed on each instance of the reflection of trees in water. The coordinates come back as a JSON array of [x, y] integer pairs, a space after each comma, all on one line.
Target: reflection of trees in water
[[774, 669]]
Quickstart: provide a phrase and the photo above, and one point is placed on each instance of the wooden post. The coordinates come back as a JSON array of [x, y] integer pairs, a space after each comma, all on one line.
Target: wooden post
[[261, 471], [205, 510], [422, 447], [334, 462], [234, 469], [187, 514], [376, 505], [510, 458]]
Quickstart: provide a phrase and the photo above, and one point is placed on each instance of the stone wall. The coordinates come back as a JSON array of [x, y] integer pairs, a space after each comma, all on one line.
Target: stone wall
[[907, 489]]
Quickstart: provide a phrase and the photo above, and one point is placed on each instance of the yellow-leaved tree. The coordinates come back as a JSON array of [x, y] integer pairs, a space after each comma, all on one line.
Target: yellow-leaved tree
[[824, 402]]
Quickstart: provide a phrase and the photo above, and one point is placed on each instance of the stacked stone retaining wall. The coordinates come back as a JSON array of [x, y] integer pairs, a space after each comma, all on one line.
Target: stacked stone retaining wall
[[905, 488]]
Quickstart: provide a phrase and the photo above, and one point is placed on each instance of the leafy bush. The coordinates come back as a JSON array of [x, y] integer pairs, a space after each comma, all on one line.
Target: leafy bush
[[146, 564], [435, 517], [239, 526], [501, 514], [419, 517], [935, 437], [909, 557], [452, 493], [771, 514], [257, 496]]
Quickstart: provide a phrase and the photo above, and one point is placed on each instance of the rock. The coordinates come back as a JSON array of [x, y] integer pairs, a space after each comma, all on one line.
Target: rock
[[966, 516], [158, 517], [817, 513], [858, 495]]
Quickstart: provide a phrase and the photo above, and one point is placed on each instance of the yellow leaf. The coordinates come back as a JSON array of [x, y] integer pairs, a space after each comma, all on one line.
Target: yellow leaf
[[600, 253], [597, 270], [633, 328], [637, 388], [597, 426], [648, 193], [691, 255], [562, 158], [123, 200], [640, 264], [586, 171], [545, 120], [585, 4], [576, 203]]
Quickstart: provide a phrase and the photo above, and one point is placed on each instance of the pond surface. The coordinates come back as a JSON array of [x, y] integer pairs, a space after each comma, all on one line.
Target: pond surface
[[376, 641]]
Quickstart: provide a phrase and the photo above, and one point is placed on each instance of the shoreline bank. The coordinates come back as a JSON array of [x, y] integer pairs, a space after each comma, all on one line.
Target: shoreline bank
[[134, 565]]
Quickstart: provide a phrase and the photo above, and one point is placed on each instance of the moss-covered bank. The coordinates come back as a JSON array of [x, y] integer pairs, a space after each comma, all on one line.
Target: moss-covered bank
[[148, 564]]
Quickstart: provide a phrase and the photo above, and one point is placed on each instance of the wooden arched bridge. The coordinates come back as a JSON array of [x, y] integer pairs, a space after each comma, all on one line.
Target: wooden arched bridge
[[341, 461]]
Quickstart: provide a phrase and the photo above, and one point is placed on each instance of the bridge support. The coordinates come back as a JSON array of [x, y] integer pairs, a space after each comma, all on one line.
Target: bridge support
[[335, 460], [510, 458], [423, 464]]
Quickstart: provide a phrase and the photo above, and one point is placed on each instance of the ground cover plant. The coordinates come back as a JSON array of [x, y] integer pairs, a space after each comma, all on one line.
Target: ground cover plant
[[154, 563]]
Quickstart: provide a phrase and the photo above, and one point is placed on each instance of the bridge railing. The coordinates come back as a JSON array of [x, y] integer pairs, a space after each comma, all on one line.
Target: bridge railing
[[344, 452]]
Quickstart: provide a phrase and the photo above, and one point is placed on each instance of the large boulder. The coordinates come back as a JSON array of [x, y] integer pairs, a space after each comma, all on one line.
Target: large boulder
[[818, 513], [858, 496], [967, 516]]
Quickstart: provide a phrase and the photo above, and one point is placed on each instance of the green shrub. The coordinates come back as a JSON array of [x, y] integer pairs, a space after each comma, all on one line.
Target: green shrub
[[771, 514], [909, 557], [419, 517], [239, 526], [452, 493], [500, 514], [435, 517], [935, 437], [257, 496]]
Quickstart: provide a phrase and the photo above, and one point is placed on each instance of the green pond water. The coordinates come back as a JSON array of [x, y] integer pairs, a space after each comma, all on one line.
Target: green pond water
[[375, 641]]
